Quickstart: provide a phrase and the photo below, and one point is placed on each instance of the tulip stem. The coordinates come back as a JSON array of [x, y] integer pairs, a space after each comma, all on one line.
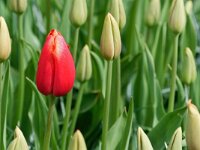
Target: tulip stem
[[118, 86], [76, 110], [76, 43], [106, 105], [47, 135], [0, 84], [20, 99], [90, 32], [1, 132], [66, 120], [173, 76], [65, 141], [186, 93]]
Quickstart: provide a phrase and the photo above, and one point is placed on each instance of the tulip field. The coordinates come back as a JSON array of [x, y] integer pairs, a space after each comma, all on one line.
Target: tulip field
[[99, 74]]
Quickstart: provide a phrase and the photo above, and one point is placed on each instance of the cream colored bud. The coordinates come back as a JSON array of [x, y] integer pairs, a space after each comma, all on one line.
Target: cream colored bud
[[5, 41], [188, 69], [176, 140], [78, 13], [177, 16], [153, 13], [188, 7], [84, 66], [118, 12], [143, 141], [110, 38], [77, 142], [19, 142], [18, 6], [193, 127]]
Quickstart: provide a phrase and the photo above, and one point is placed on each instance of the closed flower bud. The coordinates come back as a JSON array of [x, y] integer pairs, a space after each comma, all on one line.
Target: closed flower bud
[[177, 16], [153, 13], [77, 142], [84, 67], [118, 12], [193, 127], [78, 13], [5, 42], [188, 7], [143, 140], [188, 69], [56, 70], [110, 38], [176, 140], [19, 142], [18, 6]]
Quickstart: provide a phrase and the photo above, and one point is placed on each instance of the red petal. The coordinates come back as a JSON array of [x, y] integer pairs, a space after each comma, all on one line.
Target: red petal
[[64, 68], [56, 69], [44, 76]]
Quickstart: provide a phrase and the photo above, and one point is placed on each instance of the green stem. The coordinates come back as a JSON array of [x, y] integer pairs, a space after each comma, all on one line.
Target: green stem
[[173, 76], [118, 82], [186, 93], [20, 99], [76, 44], [66, 120], [106, 105], [47, 135], [65, 142], [76, 110], [0, 82], [90, 33], [1, 132], [155, 42]]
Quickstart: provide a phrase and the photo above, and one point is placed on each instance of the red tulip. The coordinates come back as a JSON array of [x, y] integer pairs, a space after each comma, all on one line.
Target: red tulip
[[56, 69]]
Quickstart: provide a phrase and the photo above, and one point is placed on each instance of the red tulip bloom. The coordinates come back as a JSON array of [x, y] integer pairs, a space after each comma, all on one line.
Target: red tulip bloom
[[56, 69]]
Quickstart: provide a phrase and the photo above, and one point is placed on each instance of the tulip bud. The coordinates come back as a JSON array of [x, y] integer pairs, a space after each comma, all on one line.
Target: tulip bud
[[177, 17], [153, 12], [176, 140], [5, 42], [56, 70], [77, 142], [188, 70], [18, 6], [110, 38], [78, 13], [19, 142], [84, 67], [188, 7], [118, 12], [193, 127], [143, 141]]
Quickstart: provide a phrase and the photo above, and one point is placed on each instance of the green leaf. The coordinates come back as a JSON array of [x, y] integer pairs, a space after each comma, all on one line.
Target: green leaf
[[65, 23], [160, 109], [39, 96], [114, 136], [141, 92], [33, 53], [38, 114], [128, 129], [89, 100], [151, 79], [136, 19], [98, 66], [189, 36], [128, 67], [164, 130]]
